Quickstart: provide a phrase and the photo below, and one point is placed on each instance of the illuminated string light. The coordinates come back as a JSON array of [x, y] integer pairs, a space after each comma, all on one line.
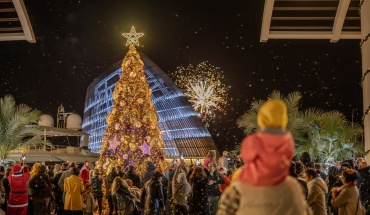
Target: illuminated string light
[[132, 37]]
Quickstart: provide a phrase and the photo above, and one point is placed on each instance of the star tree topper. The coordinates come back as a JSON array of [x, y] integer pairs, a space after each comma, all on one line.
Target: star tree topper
[[132, 37]]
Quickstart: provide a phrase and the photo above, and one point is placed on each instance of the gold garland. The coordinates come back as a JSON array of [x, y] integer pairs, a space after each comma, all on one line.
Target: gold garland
[[364, 40], [367, 111], [359, 9], [364, 76]]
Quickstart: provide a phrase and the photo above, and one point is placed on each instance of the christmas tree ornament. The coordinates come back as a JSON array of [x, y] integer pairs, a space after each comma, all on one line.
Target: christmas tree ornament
[[114, 143], [146, 148], [132, 39]]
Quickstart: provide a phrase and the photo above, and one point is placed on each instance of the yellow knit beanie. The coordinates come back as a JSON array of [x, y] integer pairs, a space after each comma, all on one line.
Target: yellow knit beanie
[[272, 114]]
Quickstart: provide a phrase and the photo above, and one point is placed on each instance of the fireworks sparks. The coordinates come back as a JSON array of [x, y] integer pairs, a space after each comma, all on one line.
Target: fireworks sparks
[[204, 88]]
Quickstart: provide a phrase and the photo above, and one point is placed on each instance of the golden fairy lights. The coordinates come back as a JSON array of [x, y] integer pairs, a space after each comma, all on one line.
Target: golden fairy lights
[[204, 88], [132, 37], [132, 136]]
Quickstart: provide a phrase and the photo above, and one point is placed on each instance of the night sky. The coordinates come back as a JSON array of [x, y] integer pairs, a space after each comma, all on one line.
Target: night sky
[[78, 40]]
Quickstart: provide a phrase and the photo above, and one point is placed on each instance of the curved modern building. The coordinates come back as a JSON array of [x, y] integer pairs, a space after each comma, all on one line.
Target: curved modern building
[[182, 130]]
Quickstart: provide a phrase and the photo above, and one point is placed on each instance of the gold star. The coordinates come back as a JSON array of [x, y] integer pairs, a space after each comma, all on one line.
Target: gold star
[[132, 37]]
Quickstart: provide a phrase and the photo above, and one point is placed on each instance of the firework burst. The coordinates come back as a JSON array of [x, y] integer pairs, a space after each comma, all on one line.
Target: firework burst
[[204, 88]]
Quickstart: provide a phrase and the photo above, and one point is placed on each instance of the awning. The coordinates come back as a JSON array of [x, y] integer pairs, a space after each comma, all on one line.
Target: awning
[[15, 23]]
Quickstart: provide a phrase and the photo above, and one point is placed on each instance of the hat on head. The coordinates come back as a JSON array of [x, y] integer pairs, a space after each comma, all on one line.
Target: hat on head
[[272, 114], [17, 168]]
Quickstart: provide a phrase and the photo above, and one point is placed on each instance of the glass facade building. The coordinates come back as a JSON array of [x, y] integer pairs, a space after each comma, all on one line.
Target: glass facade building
[[182, 130]]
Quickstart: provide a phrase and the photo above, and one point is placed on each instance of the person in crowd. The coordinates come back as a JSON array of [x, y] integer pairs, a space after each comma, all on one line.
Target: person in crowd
[[332, 179], [224, 160], [57, 192], [147, 175], [135, 178], [41, 192], [119, 172], [320, 171], [57, 170], [50, 170], [97, 191], [316, 191], [198, 198], [364, 171], [6, 185], [266, 155], [214, 180], [306, 160], [2, 201], [123, 199], [137, 193], [85, 173], [111, 175], [2, 172], [85, 166], [180, 189], [34, 171], [237, 161], [73, 187], [134, 190], [88, 201], [18, 198], [301, 181], [227, 181], [346, 197], [153, 197], [211, 157], [169, 172], [66, 174], [299, 168]]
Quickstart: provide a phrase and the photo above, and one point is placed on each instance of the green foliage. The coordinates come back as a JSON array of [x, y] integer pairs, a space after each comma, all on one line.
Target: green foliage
[[314, 131], [331, 135], [18, 126], [297, 123]]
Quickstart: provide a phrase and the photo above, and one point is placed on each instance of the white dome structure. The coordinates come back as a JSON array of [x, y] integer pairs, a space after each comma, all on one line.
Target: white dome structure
[[74, 122], [46, 120]]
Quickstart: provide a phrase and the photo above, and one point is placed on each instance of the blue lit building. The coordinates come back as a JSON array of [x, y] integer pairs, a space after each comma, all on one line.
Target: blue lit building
[[182, 130]]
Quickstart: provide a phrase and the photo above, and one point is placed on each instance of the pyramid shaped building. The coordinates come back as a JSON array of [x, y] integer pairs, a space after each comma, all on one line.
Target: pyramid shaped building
[[182, 130]]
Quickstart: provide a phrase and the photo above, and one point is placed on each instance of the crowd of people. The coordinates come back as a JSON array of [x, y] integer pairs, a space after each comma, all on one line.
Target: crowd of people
[[264, 178]]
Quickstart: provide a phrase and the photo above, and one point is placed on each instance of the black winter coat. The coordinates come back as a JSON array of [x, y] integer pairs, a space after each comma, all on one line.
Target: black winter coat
[[135, 178], [198, 198], [96, 184], [213, 189], [153, 197], [41, 186], [54, 181]]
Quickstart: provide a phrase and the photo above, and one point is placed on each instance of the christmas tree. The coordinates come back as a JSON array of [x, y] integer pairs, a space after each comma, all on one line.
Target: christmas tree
[[132, 136]]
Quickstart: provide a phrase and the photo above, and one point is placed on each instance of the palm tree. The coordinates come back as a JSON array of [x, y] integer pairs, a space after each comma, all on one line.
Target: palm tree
[[18, 126], [297, 120], [332, 136]]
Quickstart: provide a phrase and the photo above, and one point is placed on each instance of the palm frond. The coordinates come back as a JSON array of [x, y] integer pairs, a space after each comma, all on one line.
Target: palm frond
[[17, 126], [320, 133]]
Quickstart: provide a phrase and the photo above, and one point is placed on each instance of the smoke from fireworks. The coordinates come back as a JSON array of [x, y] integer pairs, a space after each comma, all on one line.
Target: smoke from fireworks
[[204, 88]]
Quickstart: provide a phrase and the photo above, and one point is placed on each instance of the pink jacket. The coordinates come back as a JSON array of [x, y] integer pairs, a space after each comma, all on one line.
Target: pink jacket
[[266, 158], [206, 161]]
